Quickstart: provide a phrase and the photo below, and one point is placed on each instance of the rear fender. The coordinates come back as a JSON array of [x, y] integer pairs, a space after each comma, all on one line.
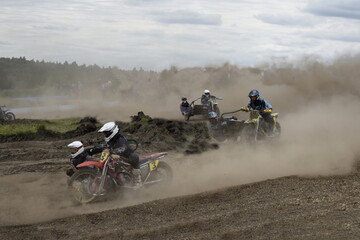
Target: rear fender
[[150, 160]]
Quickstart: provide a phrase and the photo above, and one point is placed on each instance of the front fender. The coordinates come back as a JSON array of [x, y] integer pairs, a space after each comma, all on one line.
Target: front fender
[[90, 163]]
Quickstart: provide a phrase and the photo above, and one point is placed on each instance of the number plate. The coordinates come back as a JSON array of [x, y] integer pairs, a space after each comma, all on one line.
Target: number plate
[[104, 156], [153, 165]]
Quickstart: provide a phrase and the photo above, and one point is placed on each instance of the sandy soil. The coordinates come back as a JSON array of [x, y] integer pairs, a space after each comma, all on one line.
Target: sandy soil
[[210, 198]]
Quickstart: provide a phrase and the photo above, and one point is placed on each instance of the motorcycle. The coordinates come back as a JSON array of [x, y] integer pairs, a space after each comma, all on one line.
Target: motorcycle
[[226, 128], [6, 114], [256, 128], [94, 179]]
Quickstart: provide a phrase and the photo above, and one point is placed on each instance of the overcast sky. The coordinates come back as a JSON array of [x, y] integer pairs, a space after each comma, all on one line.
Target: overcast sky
[[156, 34]]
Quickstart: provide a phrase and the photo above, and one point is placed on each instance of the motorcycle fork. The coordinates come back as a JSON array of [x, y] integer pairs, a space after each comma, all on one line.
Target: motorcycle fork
[[102, 180], [275, 123]]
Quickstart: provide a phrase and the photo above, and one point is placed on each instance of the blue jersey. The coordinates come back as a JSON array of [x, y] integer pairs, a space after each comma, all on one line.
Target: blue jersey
[[259, 104]]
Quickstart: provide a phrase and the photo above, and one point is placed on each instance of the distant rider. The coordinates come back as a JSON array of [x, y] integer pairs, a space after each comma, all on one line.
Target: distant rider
[[120, 146], [206, 97], [79, 155], [184, 106], [260, 104]]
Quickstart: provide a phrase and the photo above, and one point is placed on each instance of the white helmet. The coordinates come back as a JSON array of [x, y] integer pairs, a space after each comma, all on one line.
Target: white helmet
[[76, 148], [109, 129], [206, 91]]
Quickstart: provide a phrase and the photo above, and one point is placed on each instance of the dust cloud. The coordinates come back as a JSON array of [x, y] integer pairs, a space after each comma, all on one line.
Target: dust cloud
[[319, 114]]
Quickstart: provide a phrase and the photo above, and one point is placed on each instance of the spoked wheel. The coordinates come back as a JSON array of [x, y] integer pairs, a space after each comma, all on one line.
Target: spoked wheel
[[10, 116], [83, 185], [277, 130]]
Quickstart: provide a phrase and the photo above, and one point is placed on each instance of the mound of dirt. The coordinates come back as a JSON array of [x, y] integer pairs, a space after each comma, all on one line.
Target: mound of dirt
[[162, 135], [152, 134]]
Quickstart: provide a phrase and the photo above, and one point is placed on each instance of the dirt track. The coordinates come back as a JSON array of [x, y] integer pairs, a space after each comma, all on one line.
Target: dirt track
[[34, 203]]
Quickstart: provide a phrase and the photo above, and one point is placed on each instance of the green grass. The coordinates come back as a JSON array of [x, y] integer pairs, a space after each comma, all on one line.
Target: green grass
[[59, 125]]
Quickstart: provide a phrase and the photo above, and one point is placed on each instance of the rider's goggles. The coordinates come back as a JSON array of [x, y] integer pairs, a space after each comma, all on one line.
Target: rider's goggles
[[74, 150], [107, 133]]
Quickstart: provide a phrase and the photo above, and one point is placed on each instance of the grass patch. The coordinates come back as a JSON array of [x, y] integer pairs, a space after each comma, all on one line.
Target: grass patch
[[33, 126]]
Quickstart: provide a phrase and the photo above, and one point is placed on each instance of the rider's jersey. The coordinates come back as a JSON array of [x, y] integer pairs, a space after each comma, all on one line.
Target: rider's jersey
[[184, 107], [119, 145], [259, 104], [206, 98]]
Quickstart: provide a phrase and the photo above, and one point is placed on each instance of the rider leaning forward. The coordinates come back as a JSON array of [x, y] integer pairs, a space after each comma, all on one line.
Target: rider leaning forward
[[117, 145], [260, 104], [78, 155], [206, 97]]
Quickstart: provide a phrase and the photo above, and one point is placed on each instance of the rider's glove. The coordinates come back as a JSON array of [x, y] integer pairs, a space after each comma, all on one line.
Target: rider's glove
[[245, 109], [268, 110]]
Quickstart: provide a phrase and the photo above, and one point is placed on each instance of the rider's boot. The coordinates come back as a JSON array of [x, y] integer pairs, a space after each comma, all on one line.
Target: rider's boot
[[137, 178]]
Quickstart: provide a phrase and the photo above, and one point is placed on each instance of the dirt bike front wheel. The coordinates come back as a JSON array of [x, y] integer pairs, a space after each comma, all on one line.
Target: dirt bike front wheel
[[277, 130], [10, 116], [83, 185], [248, 134]]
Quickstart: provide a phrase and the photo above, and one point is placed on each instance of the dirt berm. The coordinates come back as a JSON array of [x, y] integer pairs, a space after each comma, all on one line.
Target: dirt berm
[[203, 202]]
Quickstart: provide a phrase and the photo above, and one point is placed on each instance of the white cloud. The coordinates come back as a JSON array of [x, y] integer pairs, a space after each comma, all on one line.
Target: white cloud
[[157, 33], [187, 17]]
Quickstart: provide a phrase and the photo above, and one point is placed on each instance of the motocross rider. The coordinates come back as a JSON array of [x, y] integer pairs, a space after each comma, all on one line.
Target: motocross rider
[[206, 97], [218, 126], [120, 146], [79, 155], [260, 104], [184, 106]]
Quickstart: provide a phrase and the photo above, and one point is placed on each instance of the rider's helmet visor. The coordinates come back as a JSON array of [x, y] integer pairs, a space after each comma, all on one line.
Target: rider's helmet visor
[[107, 133], [253, 98], [74, 150]]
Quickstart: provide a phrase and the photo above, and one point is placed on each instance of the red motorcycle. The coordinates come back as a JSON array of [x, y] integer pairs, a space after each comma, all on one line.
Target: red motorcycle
[[97, 178]]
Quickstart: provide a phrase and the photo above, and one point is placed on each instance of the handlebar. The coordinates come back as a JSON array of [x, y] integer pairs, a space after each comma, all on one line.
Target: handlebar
[[249, 110]]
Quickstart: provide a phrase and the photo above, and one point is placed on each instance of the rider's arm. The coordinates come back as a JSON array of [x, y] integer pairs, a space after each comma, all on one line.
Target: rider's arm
[[267, 105], [94, 150], [249, 105], [121, 147], [215, 98]]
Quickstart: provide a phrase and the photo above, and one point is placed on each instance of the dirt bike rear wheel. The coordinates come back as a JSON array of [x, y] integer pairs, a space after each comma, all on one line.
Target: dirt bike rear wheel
[[163, 173], [10, 116], [81, 184]]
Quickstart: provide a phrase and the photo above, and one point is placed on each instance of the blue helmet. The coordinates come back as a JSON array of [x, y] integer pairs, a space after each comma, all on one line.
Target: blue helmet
[[213, 115], [254, 93]]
